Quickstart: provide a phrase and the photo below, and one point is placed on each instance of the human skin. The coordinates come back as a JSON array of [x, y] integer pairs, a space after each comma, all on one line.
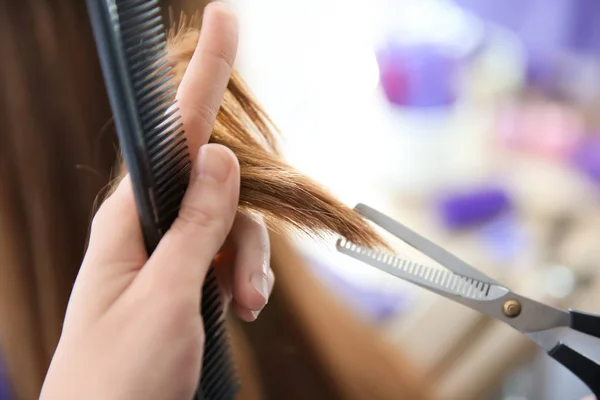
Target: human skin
[[133, 329]]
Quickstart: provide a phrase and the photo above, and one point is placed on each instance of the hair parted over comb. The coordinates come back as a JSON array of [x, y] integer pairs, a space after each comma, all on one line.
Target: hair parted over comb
[[57, 153], [269, 186]]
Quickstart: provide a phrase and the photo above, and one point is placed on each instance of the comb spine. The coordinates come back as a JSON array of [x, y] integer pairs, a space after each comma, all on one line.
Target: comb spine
[[122, 99]]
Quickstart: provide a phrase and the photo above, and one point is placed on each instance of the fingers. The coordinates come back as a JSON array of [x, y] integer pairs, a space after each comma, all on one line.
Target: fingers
[[116, 235], [115, 253], [205, 81], [117, 248], [247, 314], [184, 254], [252, 278]]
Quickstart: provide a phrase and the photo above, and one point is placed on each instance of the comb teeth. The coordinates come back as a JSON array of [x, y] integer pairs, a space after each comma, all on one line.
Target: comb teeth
[[442, 279], [156, 150], [219, 376], [144, 45]]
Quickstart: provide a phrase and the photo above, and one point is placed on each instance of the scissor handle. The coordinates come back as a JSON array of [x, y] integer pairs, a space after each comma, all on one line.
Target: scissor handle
[[585, 323], [585, 369]]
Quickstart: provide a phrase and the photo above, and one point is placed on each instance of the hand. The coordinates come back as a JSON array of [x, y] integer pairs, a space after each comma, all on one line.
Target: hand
[[133, 328]]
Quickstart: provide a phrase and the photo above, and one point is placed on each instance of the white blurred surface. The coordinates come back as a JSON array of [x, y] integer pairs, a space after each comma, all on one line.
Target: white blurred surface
[[312, 65]]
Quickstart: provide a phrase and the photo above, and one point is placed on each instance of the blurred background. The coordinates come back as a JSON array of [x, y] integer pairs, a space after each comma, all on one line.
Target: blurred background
[[472, 121]]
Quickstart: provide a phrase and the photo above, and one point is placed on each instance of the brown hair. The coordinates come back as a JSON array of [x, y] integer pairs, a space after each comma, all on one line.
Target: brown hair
[[286, 196], [269, 185], [56, 155], [53, 162]]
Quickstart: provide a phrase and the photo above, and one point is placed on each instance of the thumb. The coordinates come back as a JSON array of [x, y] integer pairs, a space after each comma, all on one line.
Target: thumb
[[184, 254]]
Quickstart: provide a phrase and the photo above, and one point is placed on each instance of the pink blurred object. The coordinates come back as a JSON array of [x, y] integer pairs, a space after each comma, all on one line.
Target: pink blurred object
[[418, 76], [544, 129]]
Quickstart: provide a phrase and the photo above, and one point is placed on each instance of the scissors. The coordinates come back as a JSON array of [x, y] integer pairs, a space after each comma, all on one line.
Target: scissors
[[466, 285]]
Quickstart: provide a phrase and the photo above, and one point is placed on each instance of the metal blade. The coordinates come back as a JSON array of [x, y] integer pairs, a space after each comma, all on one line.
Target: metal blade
[[430, 249], [442, 281], [533, 318]]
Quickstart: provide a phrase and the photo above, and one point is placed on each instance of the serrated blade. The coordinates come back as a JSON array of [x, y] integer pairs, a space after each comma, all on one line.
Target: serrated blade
[[443, 281], [425, 246]]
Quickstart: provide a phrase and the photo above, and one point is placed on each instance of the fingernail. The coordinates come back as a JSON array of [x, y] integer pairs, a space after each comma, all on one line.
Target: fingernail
[[259, 281], [255, 314], [213, 164]]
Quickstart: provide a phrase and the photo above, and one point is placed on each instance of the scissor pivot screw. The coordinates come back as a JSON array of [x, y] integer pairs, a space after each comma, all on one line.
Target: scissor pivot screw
[[512, 308]]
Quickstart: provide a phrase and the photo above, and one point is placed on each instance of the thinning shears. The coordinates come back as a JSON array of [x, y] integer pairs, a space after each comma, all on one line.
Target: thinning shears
[[468, 286]]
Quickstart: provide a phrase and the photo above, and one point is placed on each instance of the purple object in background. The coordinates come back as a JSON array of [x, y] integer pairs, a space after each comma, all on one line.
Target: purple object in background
[[549, 31], [464, 209], [584, 35], [417, 75], [542, 72], [586, 158], [545, 26], [504, 239], [376, 305]]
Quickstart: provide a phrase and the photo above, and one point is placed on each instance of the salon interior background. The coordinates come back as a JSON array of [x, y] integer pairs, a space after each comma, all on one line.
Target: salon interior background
[[474, 121]]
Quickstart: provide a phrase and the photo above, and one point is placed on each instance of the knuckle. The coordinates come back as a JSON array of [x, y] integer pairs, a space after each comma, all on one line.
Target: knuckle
[[94, 226], [100, 216], [112, 207], [198, 336], [224, 56], [200, 113], [192, 219]]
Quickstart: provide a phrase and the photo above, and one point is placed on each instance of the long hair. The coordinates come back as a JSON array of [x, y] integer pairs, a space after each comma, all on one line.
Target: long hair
[[269, 185], [58, 153], [55, 156]]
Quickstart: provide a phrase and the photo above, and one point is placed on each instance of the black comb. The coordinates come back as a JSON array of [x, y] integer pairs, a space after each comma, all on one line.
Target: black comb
[[131, 42]]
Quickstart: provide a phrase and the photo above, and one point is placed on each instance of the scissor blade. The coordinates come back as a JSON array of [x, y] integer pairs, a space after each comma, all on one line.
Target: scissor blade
[[441, 281], [425, 246], [534, 318]]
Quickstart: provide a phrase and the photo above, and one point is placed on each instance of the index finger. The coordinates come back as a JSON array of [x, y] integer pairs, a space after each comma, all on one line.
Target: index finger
[[205, 80]]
